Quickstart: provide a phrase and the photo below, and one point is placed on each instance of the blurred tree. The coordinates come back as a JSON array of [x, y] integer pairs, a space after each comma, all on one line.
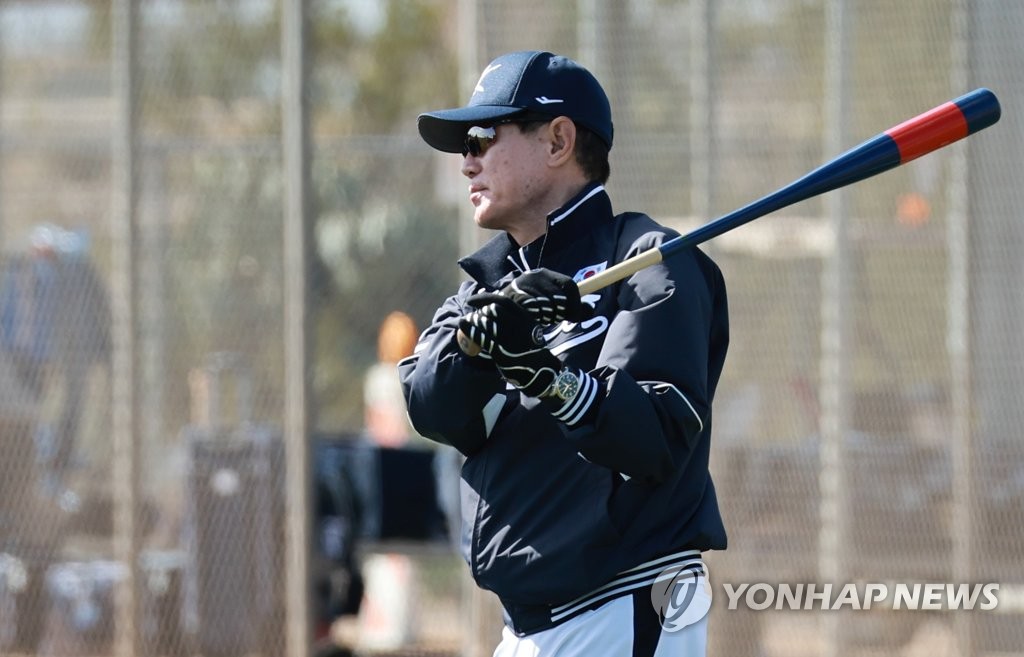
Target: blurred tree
[[383, 243], [410, 67], [380, 255], [210, 116]]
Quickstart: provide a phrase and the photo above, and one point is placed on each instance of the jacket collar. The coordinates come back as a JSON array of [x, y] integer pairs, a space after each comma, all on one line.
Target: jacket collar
[[501, 255]]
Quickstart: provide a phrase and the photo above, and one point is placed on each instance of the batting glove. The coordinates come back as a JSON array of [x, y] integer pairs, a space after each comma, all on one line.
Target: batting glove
[[548, 296], [513, 340]]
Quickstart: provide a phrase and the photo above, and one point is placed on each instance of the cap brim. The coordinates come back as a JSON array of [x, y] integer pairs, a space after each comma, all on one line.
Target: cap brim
[[445, 130]]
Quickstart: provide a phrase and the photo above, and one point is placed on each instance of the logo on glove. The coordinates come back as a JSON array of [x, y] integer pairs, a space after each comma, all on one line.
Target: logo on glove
[[538, 335]]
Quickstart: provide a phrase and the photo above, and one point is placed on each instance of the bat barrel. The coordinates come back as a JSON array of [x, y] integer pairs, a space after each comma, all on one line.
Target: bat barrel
[[945, 124]]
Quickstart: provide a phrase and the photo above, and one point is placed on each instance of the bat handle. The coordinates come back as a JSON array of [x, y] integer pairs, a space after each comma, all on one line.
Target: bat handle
[[590, 285]]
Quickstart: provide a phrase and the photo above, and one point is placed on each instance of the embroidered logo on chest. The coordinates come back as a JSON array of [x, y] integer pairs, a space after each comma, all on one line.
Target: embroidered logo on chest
[[587, 272]]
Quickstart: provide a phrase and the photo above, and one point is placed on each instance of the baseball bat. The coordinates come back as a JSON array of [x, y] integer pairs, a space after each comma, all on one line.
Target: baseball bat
[[927, 132]]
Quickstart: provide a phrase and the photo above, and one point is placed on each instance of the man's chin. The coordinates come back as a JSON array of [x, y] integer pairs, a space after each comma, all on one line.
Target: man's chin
[[485, 222]]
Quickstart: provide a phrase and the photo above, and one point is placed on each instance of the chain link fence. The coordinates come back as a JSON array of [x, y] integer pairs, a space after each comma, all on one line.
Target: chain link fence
[[866, 422]]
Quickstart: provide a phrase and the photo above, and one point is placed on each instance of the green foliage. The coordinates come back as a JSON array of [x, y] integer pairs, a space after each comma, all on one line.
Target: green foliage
[[408, 68], [376, 82]]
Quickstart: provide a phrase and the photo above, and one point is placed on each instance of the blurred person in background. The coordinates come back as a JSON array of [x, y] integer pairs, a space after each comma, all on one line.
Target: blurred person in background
[[393, 477], [385, 417], [55, 326]]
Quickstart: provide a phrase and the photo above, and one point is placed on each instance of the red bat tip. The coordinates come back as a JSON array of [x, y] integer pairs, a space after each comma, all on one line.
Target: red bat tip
[[945, 124]]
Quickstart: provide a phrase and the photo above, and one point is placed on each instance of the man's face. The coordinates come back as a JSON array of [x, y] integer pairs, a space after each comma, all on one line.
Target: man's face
[[509, 183]]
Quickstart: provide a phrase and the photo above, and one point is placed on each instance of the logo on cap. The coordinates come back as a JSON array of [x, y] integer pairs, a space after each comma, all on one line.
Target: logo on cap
[[487, 71]]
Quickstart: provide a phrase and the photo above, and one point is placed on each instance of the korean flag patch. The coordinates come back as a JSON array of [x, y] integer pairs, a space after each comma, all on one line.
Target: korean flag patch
[[587, 272]]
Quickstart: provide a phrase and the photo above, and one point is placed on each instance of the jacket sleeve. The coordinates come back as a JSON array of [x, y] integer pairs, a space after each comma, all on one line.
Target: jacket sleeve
[[659, 366], [451, 398]]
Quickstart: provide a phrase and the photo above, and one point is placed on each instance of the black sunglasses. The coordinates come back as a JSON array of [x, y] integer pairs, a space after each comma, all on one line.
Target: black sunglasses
[[479, 138]]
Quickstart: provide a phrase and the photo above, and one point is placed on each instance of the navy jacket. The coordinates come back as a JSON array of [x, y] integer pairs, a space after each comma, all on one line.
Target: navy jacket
[[552, 512]]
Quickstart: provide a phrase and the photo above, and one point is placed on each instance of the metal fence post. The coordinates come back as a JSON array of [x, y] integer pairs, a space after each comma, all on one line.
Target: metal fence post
[[835, 330], [702, 115], [989, 451], [958, 340], [124, 370], [298, 239]]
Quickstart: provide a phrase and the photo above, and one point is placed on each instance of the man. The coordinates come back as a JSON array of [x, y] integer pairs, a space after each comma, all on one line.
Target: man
[[585, 423]]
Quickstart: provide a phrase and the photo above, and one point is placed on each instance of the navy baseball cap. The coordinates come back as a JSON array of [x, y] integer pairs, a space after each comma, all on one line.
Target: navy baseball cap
[[517, 83]]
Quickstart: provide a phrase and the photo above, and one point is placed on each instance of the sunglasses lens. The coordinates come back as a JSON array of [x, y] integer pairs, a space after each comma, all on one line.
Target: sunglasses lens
[[478, 140]]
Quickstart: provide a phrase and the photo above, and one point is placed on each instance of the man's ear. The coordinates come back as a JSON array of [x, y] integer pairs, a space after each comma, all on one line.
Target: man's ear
[[562, 132]]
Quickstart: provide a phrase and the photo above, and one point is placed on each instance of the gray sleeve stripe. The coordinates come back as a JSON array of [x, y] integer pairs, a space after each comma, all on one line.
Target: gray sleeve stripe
[[491, 411]]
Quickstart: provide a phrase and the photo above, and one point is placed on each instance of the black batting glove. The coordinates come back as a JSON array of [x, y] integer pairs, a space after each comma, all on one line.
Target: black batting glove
[[548, 296], [514, 341]]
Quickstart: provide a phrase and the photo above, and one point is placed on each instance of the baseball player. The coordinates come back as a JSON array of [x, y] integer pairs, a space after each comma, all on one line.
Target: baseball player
[[585, 423]]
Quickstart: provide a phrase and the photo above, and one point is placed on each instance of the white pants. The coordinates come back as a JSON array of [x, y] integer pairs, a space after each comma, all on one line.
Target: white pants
[[625, 627]]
